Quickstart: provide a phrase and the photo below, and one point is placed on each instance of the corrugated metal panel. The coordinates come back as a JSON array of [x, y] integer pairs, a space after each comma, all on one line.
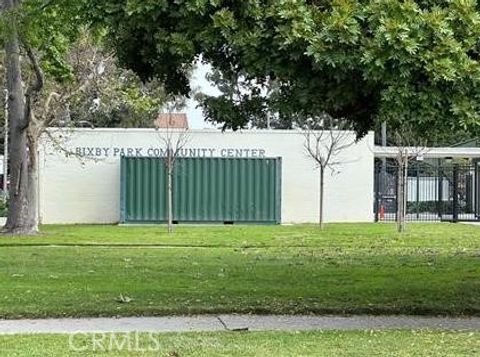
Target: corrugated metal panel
[[205, 190], [144, 183]]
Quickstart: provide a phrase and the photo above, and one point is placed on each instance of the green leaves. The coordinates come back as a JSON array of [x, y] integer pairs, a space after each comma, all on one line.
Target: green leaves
[[224, 20], [365, 60], [48, 27]]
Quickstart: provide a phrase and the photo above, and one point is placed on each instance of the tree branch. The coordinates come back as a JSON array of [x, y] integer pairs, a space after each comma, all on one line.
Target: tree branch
[[40, 78], [328, 143], [33, 90], [62, 99]]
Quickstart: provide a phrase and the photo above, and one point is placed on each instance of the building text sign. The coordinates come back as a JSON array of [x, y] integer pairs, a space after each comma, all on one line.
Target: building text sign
[[108, 152]]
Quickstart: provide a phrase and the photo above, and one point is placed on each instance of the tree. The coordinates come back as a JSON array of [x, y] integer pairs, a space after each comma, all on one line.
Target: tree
[[402, 158], [173, 141], [38, 33], [408, 148], [257, 104], [430, 138], [41, 82], [22, 213], [28, 118], [114, 97], [367, 61], [110, 97], [240, 98], [324, 146], [53, 67]]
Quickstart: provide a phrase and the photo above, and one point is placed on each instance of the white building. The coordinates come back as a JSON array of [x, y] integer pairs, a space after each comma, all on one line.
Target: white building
[[80, 172]]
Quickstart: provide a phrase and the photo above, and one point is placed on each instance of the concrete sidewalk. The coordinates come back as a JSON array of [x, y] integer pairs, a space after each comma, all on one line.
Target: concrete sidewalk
[[234, 323]]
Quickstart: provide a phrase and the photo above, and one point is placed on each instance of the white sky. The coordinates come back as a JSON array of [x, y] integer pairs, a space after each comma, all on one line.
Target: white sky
[[195, 116]]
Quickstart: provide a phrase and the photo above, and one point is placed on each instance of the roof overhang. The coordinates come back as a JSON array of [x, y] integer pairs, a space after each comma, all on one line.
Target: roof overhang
[[428, 153]]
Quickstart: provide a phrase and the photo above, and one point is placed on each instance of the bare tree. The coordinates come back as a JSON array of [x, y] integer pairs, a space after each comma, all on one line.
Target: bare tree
[[173, 141], [408, 148], [324, 147]]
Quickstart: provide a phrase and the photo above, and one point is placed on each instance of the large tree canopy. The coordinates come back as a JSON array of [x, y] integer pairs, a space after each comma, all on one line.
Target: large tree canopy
[[408, 61], [109, 96], [37, 32], [50, 71]]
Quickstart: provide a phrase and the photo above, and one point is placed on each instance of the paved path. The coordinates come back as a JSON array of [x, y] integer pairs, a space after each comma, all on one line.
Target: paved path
[[234, 322]]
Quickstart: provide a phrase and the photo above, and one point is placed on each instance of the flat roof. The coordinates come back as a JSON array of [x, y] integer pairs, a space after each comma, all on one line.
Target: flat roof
[[428, 153], [193, 131]]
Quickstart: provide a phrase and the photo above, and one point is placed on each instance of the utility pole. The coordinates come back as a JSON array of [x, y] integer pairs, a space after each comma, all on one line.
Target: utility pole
[[5, 151]]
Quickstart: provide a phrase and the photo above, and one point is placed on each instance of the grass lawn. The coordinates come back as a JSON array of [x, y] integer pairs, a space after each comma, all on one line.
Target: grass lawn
[[349, 268], [387, 343]]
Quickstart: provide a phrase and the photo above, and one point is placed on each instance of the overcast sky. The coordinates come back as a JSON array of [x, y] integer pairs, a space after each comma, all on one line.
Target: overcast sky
[[195, 116]]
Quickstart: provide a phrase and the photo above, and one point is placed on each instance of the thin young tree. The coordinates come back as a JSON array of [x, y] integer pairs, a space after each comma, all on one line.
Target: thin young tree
[[173, 141], [325, 139], [408, 148]]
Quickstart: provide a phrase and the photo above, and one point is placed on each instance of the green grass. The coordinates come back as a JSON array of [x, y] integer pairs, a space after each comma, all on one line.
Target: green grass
[[356, 268], [438, 237], [386, 343]]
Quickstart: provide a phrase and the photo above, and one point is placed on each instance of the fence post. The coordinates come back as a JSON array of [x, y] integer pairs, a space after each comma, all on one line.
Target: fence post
[[440, 191], [397, 173], [477, 189], [455, 194]]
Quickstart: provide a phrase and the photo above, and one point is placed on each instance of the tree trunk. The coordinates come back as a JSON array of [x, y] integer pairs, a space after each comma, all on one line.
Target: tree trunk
[[21, 218], [170, 195], [320, 212], [405, 191], [400, 195], [33, 188]]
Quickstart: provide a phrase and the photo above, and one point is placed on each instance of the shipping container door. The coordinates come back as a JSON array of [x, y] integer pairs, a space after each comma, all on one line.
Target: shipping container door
[[206, 190]]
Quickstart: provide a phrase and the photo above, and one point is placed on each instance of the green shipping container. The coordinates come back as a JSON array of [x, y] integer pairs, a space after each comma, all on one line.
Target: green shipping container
[[205, 190]]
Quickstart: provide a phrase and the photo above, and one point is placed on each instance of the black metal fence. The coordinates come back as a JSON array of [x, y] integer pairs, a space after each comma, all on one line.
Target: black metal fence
[[435, 191]]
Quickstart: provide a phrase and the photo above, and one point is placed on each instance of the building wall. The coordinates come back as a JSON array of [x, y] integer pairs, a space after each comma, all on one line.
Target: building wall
[[80, 172]]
